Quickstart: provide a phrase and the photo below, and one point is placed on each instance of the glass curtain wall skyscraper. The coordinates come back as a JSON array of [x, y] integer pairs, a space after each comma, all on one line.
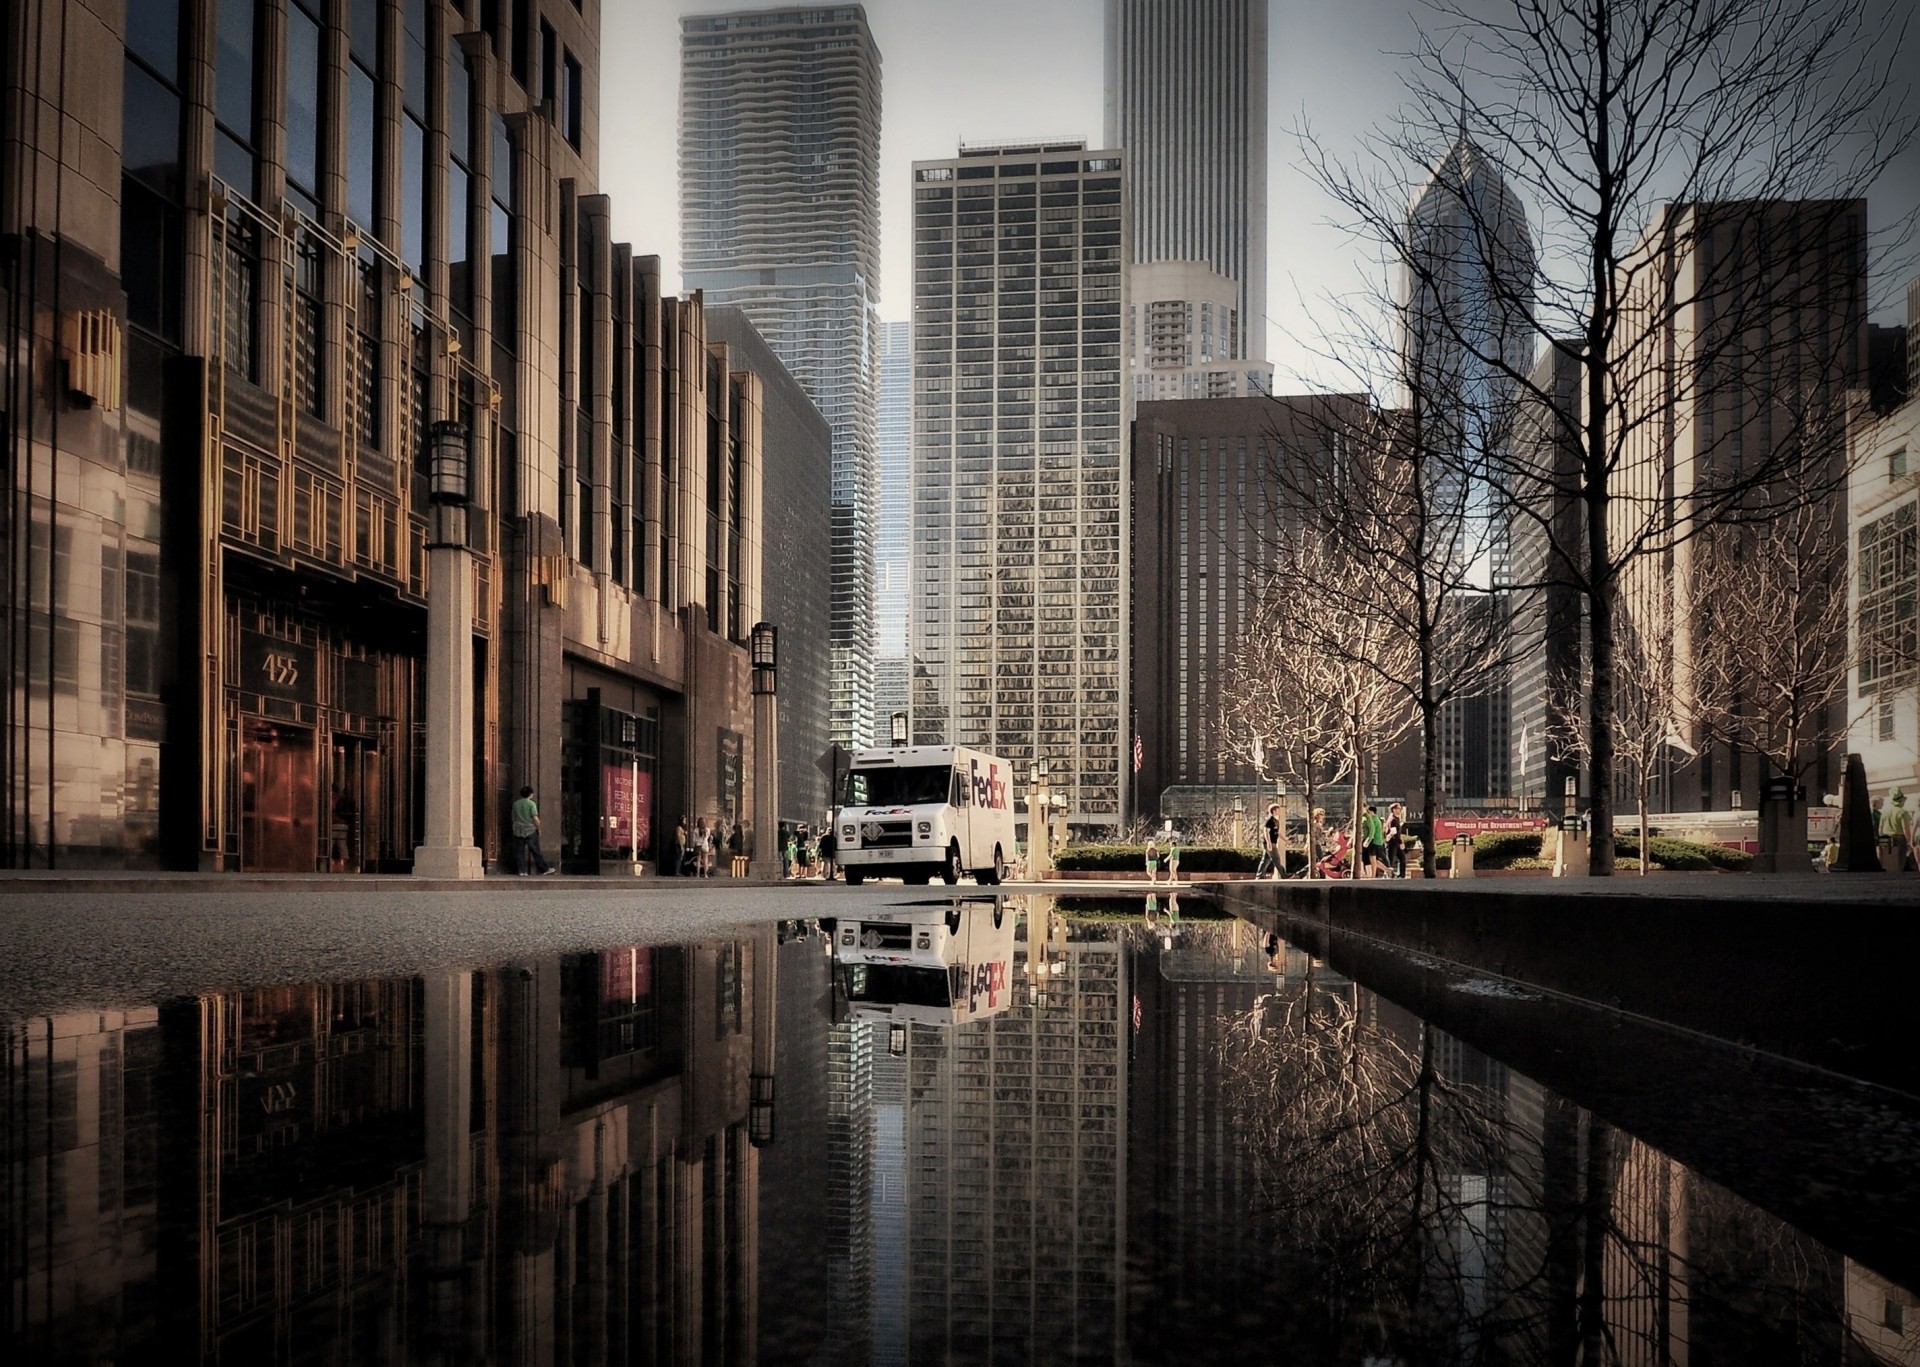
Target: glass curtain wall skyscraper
[[1467, 291], [1186, 100], [780, 216], [1018, 613], [894, 460]]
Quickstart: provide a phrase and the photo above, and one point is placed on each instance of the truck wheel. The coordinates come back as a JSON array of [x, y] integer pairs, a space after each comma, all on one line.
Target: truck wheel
[[855, 877], [951, 871], [998, 873]]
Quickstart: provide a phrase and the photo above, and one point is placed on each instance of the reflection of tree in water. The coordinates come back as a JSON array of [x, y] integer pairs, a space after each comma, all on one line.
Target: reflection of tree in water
[[1373, 1166], [1420, 1218]]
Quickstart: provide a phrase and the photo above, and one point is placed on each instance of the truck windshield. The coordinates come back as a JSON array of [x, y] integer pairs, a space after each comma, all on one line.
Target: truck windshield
[[905, 787], [897, 985]]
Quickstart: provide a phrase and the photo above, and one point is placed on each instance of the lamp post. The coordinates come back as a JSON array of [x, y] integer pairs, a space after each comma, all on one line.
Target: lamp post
[[1039, 821], [764, 860], [448, 850]]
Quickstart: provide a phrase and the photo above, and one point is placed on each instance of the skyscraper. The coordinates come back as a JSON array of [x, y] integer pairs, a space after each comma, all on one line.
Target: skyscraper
[[894, 461], [780, 215], [1018, 620], [1467, 335], [1187, 102]]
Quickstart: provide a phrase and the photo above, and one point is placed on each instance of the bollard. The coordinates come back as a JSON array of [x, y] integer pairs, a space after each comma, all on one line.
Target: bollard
[[1462, 857], [738, 869], [1570, 859]]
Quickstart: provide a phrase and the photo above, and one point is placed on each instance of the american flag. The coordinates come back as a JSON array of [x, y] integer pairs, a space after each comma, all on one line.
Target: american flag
[[1139, 754]]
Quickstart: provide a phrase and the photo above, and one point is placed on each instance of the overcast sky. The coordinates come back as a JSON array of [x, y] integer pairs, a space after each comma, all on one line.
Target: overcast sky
[[988, 70]]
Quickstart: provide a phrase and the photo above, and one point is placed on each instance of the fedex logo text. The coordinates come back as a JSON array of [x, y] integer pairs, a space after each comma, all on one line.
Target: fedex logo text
[[988, 789]]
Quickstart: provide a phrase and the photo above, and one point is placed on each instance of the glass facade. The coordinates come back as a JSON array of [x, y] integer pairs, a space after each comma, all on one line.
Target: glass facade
[[1017, 608]]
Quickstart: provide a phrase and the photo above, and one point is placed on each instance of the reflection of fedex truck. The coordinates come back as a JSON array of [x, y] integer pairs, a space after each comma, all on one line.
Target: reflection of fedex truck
[[929, 965], [920, 810]]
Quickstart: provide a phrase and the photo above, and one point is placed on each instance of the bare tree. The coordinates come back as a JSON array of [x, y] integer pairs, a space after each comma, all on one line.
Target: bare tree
[[1406, 523], [1649, 716], [1697, 166], [1771, 661], [1313, 690]]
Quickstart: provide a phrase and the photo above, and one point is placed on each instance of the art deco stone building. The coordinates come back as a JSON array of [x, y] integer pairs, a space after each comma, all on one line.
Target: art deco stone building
[[249, 254], [1018, 610]]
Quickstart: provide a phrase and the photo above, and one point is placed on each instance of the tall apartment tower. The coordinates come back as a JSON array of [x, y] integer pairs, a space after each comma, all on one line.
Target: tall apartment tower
[[1018, 621], [780, 215], [1186, 95], [894, 452]]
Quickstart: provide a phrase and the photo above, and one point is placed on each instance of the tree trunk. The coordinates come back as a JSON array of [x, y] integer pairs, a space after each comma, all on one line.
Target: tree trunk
[[1641, 796], [1429, 784], [1598, 1219]]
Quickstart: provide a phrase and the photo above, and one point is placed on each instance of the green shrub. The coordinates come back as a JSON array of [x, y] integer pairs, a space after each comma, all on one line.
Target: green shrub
[[1133, 859], [1687, 856]]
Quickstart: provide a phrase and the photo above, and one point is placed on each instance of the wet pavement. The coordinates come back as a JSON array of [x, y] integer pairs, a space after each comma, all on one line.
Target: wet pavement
[[555, 1123]]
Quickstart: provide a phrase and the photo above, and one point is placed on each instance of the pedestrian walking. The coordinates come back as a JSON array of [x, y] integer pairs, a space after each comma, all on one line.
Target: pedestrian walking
[[1173, 856], [793, 854], [828, 846], [702, 849], [1273, 854], [1373, 844], [1898, 825], [1395, 831], [1153, 861], [524, 822]]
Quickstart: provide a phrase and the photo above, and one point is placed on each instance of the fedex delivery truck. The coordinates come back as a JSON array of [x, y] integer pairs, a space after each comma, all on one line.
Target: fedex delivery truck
[[914, 811], [927, 965]]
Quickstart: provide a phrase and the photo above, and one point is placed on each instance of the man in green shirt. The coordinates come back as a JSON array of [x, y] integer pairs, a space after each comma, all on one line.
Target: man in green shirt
[[526, 834], [1373, 843]]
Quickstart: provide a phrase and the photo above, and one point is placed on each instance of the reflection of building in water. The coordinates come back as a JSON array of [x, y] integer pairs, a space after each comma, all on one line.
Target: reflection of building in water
[[1016, 1150], [1194, 1233], [891, 1286], [550, 1162], [796, 1207], [847, 1283], [81, 1140], [1884, 1318]]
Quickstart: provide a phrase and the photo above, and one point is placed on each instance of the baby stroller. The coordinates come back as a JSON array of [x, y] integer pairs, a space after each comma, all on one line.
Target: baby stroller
[[1335, 863]]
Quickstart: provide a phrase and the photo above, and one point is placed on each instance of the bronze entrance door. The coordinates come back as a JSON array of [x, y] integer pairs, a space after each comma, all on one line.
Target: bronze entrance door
[[277, 825], [354, 818]]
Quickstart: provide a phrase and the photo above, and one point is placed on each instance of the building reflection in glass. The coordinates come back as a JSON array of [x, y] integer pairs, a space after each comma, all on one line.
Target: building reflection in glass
[[1174, 1143]]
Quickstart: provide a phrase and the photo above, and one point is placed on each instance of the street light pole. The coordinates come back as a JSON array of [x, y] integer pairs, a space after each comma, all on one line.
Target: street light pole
[[764, 861], [448, 850]]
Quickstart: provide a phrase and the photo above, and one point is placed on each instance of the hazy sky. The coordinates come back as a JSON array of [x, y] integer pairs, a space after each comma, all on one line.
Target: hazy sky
[[988, 70]]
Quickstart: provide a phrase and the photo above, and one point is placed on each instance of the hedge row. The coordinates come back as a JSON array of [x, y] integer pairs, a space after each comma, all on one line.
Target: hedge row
[[1193, 859], [1523, 849]]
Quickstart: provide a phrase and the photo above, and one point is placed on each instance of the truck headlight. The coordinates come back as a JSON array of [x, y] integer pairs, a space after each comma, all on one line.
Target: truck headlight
[[846, 832], [926, 828]]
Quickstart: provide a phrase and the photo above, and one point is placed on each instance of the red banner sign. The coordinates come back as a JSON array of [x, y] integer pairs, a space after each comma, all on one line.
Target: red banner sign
[[1447, 827]]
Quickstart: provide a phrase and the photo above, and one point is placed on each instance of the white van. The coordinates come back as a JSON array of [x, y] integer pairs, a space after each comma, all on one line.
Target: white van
[[927, 965], [914, 811]]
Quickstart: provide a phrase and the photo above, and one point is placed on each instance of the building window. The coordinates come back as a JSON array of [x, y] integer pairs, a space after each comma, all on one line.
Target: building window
[[303, 107], [1897, 465], [239, 243], [362, 139], [308, 286], [570, 100], [1888, 628], [234, 76], [501, 239]]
